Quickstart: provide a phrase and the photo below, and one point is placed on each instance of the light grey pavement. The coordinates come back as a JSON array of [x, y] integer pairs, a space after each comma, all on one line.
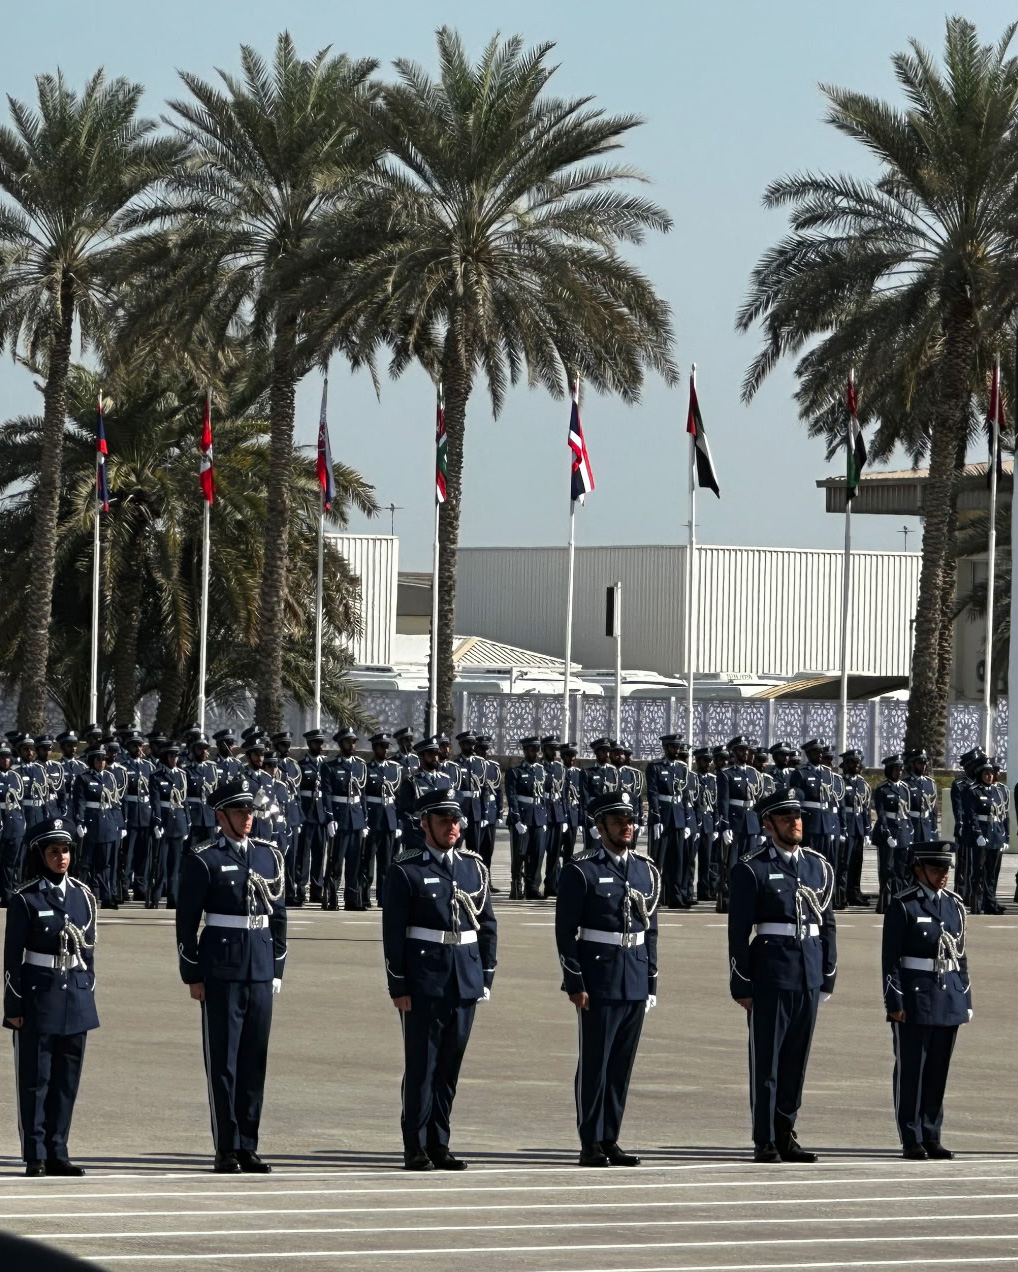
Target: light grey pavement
[[331, 1125]]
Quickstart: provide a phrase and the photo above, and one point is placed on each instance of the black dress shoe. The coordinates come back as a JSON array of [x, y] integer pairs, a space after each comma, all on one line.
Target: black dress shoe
[[766, 1153], [251, 1164], [937, 1151], [789, 1150], [616, 1155], [442, 1159], [226, 1164], [915, 1153], [417, 1161], [493, 889], [593, 1155], [61, 1166], [35, 1170]]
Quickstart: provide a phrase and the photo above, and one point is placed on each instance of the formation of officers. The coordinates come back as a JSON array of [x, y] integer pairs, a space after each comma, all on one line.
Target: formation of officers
[[232, 843]]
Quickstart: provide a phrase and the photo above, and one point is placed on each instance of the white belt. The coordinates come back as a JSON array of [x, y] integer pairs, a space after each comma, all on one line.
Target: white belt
[[191, 799], [743, 803], [809, 803], [378, 799], [926, 964], [133, 799], [252, 922], [980, 817], [346, 799], [39, 803], [625, 939], [915, 814], [92, 803], [53, 961], [442, 937], [525, 799], [670, 799], [785, 929]]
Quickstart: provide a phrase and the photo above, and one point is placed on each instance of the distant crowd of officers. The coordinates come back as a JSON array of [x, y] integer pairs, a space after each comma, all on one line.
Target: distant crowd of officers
[[139, 803]]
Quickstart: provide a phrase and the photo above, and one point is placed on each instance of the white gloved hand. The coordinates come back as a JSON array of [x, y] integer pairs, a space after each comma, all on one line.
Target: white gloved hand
[[486, 996], [688, 831], [330, 829], [891, 843], [844, 839], [650, 1004], [981, 842], [658, 831], [365, 832], [971, 1013], [520, 828], [728, 837], [867, 842], [399, 834], [273, 808], [503, 820], [714, 836], [81, 832], [277, 985], [123, 834], [565, 826], [1006, 847], [158, 832]]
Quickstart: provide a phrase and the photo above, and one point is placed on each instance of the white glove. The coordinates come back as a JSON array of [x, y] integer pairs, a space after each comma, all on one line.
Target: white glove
[[273, 808], [81, 832], [891, 843], [971, 1013], [399, 834], [565, 826], [688, 831], [1006, 847], [728, 837], [650, 1004], [520, 828], [123, 834], [486, 996], [365, 832], [844, 839], [825, 998], [503, 820], [158, 832], [714, 836], [981, 842], [867, 842], [330, 829], [277, 985], [657, 831]]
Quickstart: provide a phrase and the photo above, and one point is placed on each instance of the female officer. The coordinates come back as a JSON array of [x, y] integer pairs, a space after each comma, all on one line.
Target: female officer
[[49, 995]]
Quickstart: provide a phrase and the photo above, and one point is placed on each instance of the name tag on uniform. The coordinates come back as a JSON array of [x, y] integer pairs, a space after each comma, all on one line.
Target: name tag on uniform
[[776, 876], [45, 914], [923, 918], [432, 880], [606, 880], [224, 869]]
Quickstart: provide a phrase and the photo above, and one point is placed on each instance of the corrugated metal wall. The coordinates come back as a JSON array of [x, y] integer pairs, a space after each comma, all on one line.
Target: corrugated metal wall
[[768, 611], [375, 560]]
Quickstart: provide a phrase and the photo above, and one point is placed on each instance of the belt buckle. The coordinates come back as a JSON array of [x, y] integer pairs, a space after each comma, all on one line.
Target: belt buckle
[[450, 938], [628, 940], [254, 922], [65, 962]]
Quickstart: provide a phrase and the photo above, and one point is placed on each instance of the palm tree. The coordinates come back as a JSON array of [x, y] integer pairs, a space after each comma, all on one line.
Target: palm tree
[[911, 270], [497, 219], [72, 174], [269, 157]]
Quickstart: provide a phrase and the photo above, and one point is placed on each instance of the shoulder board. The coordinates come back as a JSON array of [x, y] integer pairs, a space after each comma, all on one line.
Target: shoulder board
[[467, 852], [79, 883], [812, 852], [751, 856], [31, 883], [954, 897], [199, 848], [914, 891], [408, 854], [649, 860], [585, 856], [265, 843]]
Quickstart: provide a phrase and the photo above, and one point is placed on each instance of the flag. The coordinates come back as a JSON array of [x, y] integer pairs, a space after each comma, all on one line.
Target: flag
[[441, 457], [856, 446], [582, 477], [102, 490], [996, 422], [323, 466], [206, 473], [706, 478]]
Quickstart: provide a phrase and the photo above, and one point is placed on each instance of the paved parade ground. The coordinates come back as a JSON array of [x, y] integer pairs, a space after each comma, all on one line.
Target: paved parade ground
[[331, 1125]]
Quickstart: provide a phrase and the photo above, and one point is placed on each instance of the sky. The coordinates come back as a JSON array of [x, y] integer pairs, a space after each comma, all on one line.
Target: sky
[[729, 92]]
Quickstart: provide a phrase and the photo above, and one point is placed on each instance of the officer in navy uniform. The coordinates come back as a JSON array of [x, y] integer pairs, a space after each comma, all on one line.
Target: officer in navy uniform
[[428, 776], [347, 776], [33, 775], [170, 828], [279, 797], [892, 834], [469, 785], [738, 790], [202, 776], [833, 820], [572, 794], [927, 995], [595, 780], [289, 774], [98, 825], [813, 782], [49, 995], [983, 834], [137, 813], [632, 781], [606, 933], [54, 776], [226, 754], [857, 818], [782, 898], [528, 821], [1000, 827], [316, 816], [439, 939], [12, 824], [555, 808], [236, 884], [72, 766], [708, 837], [782, 770], [671, 829], [962, 873], [381, 791], [262, 784], [491, 803], [406, 757], [923, 812]]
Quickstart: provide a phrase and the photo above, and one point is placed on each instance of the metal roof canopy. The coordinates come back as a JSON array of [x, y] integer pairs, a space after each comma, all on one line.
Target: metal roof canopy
[[823, 688], [901, 492]]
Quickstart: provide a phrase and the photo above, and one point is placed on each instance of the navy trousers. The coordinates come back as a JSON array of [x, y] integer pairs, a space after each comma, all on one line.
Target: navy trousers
[[48, 1069], [347, 863], [670, 853], [609, 1035], [236, 1017], [310, 865], [781, 1025], [103, 867], [486, 843], [10, 866], [382, 842], [922, 1058], [139, 839], [435, 1036]]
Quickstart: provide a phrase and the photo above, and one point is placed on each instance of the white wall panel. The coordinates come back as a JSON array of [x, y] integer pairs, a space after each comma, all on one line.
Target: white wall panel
[[374, 558]]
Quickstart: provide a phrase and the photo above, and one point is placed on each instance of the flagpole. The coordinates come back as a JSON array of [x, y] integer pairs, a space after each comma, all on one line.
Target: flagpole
[[691, 589], [618, 660], [991, 559], [433, 672], [846, 591], [570, 563], [93, 687]]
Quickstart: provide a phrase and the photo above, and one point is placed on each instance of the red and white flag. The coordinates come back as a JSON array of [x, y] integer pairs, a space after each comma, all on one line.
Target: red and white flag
[[206, 474]]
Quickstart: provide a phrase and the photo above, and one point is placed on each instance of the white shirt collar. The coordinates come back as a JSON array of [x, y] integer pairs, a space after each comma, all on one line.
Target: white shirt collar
[[788, 857], [236, 843], [619, 858], [930, 893], [60, 887], [446, 858]]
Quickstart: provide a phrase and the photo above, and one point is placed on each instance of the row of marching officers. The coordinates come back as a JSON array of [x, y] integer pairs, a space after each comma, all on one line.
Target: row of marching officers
[[439, 943]]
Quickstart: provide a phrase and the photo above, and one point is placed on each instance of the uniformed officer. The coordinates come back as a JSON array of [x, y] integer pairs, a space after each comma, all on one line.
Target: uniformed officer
[[226, 754], [36, 783], [445, 761], [670, 822], [170, 828], [316, 815], [12, 824], [572, 795], [927, 995], [782, 897], [72, 766], [279, 797], [261, 783], [1000, 825], [347, 776], [631, 780], [782, 770], [49, 995], [469, 786], [813, 781], [289, 773], [54, 776], [236, 884], [606, 933], [738, 789], [923, 812], [427, 777], [202, 777], [892, 833], [439, 939], [528, 821], [857, 818], [834, 827], [555, 809], [406, 757], [962, 873], [98, 825], [381, 791], [708, 837], [491, 803], [137, 813], [761, 762], [983, 834], [596, 779]]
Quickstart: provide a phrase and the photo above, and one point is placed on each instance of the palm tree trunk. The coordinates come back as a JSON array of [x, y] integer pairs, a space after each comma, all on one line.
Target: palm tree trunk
[[171, 690], [125, 647], [39, 609], [272, 607], [456, 385], [949, 597]]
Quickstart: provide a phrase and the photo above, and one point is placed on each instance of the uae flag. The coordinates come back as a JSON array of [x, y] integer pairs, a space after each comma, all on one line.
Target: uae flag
[[706, 478], [441, 459], [856, 446], [582, 476], [996, 422], [323, 464], [206, 473], [102, 490]]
